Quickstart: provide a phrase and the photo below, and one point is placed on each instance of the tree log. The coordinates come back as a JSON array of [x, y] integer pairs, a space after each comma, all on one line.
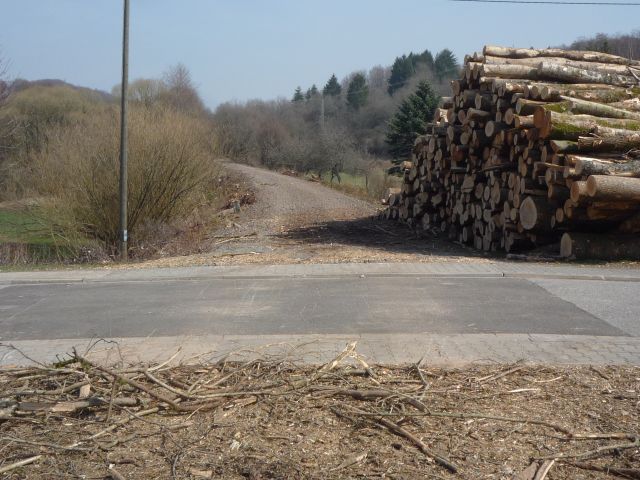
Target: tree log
[[535, 213], [588, 91], [577, 75], [607, 188], [511, 71], [600, 247], [599, 166], [577, 106], [601, 67], [491, 50], [609, 140], [562, 126]]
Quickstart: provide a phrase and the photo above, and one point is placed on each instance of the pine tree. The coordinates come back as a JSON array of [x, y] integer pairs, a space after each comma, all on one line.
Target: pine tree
[[298, 96], [332, 87], [445, 65], [402, 69], [311, 92], [410, 120], [357, 92]]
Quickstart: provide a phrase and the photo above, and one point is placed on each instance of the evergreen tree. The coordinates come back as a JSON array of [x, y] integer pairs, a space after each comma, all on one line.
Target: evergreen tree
[[410, 120], [298, 96], [332, 87], [311, 92], [445, 65], [403, 68], [357, 92], [425, 58]]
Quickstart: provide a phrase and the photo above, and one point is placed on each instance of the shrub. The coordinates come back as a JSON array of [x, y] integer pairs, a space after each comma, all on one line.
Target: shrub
[[171, 171]]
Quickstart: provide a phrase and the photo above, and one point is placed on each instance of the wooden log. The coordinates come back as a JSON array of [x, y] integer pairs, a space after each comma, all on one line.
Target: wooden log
[[600, 247], [562, 126], [607, 188], [578, 192], [602, 67], [577, 106], [528, 72], [607, 139], [588, 91], [577, 75], [527, 107], [598, 166], [535, 213], [495, 51]]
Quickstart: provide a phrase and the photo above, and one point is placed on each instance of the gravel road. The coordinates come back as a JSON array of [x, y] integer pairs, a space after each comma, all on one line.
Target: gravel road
[[283, 201], [297, 221]]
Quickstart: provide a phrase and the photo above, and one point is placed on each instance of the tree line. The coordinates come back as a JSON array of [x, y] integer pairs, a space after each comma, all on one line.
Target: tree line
[[347, 124]]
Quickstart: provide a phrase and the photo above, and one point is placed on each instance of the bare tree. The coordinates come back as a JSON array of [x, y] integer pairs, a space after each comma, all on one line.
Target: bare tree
[[181, 91]]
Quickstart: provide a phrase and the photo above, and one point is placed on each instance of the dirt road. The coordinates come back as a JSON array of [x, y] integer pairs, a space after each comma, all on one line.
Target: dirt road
[[297, 221]]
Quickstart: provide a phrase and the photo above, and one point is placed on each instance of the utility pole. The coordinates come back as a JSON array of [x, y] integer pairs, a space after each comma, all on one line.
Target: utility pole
[[123, 135]]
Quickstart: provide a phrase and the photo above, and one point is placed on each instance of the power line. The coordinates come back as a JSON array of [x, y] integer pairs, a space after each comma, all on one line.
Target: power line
[[554, 2]]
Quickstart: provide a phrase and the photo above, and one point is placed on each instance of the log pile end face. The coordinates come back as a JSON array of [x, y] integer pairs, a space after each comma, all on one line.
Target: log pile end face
[[533, 147]]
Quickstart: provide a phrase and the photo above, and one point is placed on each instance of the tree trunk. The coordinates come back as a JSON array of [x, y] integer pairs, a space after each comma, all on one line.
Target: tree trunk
[[577, 106], [491, 50], [602, 67], [599, 166], [600, 247], [577, 75], [510, 71], [606, 188], [609, 140], [535, 213], [562, 126], [588, 91]]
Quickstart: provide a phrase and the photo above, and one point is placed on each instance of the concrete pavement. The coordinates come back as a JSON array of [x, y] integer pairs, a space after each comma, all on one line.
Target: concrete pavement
[[452, 313]]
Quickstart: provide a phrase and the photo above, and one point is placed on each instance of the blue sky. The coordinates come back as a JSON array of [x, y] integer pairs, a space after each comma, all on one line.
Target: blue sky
[[243, 49]]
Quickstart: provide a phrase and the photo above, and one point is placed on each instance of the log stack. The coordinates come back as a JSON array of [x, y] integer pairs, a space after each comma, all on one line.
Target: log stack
[[532, 146]]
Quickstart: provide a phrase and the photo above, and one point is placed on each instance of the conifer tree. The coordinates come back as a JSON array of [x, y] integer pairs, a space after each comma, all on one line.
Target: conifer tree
[[410, 120], [357, 92], [332, 87], [298, 96]]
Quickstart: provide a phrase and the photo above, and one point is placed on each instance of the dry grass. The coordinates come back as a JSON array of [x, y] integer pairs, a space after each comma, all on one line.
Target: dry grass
[[268, 417]]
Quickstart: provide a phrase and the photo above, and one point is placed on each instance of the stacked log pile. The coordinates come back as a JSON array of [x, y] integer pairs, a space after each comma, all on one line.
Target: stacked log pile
[[532, 146]]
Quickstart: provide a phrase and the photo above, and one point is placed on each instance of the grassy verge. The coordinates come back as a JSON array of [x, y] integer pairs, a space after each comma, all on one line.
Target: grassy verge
[[369, 188]]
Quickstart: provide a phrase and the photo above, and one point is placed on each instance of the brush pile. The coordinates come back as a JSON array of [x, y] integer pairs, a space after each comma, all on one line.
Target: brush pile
[[534, 146], [268, 417]]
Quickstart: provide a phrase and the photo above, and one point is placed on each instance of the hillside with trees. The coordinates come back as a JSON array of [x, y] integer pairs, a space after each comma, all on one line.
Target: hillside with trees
[[59, 157], [625, 45], [341, 124]]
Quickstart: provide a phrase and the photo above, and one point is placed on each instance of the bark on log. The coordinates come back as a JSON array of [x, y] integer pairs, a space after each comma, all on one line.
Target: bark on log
[[588, 91], [607, 188], [599, 166], [491, 50], [562, 126], [600, 247], [577, 106], [602, 67], [609, 140], [577, 75], [511, 71]]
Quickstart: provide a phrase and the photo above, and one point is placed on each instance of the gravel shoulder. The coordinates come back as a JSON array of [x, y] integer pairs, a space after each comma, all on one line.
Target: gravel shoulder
[[297, 221]]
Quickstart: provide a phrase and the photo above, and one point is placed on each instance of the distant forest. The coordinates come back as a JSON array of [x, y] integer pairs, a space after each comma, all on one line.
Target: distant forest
[[624, 45], [341, 124]]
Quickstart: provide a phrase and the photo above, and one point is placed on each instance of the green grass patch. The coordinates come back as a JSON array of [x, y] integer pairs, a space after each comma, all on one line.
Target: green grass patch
[[29, 236], [24, 226]]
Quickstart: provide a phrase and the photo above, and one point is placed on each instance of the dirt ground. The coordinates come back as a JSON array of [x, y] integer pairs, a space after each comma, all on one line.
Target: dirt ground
[[297, 221], [270, 418]]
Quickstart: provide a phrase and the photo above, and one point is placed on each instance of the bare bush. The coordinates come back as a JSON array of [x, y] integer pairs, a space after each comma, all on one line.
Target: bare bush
[[170, 170]]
